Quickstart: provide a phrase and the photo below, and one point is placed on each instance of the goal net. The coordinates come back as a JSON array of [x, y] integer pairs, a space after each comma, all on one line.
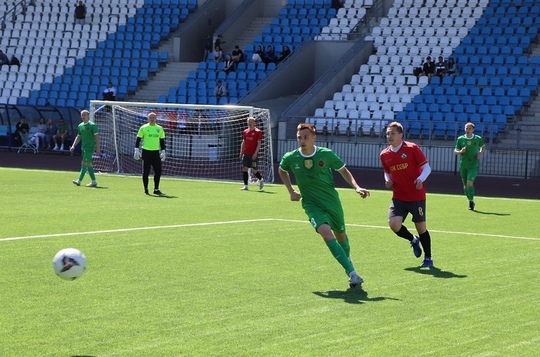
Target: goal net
[[202, 141]]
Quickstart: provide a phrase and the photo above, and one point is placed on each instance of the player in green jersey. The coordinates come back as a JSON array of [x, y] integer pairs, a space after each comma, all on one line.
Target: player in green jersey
[[312, 168], [87, 134], [471, 148], [153, 151]]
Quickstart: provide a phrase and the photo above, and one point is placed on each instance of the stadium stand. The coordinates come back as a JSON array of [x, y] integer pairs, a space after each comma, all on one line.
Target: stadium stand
[[66, 64], [489, 41]]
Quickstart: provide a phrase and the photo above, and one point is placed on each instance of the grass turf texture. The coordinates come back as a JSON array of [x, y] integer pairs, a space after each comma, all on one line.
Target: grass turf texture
[[231, 273]]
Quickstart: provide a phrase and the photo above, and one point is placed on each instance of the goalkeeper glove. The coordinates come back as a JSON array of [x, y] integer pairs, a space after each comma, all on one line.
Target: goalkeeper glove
[[162, 155], [137, 154]]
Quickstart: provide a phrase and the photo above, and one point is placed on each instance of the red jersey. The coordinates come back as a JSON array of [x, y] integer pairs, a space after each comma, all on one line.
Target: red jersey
[[251, 139], [404, 167]]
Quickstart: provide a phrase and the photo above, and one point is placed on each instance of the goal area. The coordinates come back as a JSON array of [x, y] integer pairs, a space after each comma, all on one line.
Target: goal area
[[202, 141]]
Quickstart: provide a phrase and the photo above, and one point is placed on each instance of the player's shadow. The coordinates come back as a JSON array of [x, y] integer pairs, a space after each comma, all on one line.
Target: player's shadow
[[162, 196], [492, 213], [351, 296], [267, 192], [82, 356], [435, 272]]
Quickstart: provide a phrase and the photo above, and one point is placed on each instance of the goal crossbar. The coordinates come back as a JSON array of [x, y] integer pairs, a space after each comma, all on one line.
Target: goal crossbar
[[202, 141]]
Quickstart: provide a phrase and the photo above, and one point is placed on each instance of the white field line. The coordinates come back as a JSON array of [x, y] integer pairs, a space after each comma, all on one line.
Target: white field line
[[431, 230], [120, 230]]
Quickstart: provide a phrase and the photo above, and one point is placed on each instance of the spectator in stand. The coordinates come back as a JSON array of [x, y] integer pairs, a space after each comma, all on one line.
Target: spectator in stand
[[258, 55], [3, 59], [229, 64], [62, 133], [428, 69], [207, 46], [337, 4], [21, 127], [220, 90], [110, 92], [50, 132], [237, 55], [284, 54], [269, 55], [80, 14], [218, 54], [14, 61], [219, 41], [40, 136], [452, 68], [440, 67]]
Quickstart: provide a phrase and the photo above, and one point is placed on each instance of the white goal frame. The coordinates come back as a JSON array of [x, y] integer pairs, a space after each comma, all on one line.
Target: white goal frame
[[205, 154]]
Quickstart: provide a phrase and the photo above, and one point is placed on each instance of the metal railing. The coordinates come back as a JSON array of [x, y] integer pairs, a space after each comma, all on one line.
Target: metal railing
[[10, 15]]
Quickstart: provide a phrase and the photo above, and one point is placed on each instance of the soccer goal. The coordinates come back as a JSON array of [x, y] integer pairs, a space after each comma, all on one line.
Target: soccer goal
[[202, 141]]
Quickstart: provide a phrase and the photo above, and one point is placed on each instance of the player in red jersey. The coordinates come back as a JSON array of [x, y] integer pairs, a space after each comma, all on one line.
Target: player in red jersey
[[249, 151], [405, 170]]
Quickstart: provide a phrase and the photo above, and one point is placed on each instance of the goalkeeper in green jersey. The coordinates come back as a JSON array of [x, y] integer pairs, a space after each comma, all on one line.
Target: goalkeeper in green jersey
[[312, 168], [87, 134], [470, 147], [153, 151]]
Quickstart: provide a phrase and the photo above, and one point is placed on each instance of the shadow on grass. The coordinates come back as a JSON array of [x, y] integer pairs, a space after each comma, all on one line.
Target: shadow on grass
[[350, 296], [491, 213], [268, 192], [435, 272], [82, 356], [162, 196]]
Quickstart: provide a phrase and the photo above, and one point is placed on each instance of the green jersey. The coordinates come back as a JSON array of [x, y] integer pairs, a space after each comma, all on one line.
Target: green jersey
[[62, 128], [314, 176], [87, 132], [469, 158], [151, 134]]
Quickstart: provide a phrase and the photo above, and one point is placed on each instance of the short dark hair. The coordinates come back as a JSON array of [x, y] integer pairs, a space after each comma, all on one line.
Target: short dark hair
[[307, 126], [396, 125]]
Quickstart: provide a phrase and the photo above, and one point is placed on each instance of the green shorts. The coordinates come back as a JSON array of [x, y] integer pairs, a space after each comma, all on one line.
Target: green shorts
[[468, 174], [332, 216], [87, 154]]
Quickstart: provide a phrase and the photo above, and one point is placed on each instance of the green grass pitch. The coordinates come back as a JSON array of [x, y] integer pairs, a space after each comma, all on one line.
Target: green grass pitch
[[210, 270]]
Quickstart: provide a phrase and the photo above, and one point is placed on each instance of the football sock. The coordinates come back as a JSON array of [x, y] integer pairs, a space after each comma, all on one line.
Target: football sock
[[156, 182], [91, 173], [258, 175], [471, 193], [245, 177], [145, 182], [346, 247], [425, 240], [404, 233], [82, 173], [338, 253]]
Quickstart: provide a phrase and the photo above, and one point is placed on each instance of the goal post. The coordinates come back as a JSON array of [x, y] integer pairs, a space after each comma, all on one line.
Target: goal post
[[202, 141]]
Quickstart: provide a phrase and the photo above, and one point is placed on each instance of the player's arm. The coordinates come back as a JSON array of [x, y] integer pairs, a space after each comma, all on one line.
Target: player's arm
[[98, 144], [242, 148], [480, 152], [426, 170], [257, 149], [458, 150], [348, 177], [388, 183], [286, 179], [75, 142]]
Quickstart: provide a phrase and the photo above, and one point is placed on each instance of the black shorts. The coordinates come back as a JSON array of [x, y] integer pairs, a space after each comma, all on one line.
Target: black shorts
[[151, 156], [400, 208], [248, 161]]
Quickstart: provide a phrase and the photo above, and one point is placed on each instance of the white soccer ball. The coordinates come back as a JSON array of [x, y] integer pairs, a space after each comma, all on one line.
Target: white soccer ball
[[69, 263]]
